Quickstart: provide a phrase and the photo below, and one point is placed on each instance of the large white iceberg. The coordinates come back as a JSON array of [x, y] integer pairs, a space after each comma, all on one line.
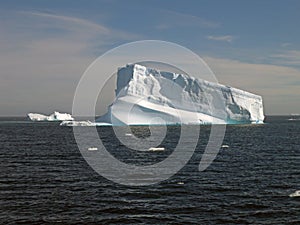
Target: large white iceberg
[[147, 96], [56, 116]]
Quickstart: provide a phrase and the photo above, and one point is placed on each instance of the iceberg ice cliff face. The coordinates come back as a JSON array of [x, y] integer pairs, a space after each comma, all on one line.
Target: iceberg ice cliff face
[[147, 96]]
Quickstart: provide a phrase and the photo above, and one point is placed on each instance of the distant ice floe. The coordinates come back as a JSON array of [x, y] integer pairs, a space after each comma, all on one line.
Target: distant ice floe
[[56, 116], [225, 146], [294, 117], [295, 194], [156, 149], [86, 123]]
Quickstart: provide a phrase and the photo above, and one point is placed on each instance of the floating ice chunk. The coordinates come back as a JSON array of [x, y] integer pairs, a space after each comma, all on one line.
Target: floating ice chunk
[[77, 123], [295, 194], [294, 116], [225, 146], [156, 149]]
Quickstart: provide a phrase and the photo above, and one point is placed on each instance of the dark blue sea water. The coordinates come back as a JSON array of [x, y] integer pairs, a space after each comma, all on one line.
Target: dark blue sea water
[[45, 179]]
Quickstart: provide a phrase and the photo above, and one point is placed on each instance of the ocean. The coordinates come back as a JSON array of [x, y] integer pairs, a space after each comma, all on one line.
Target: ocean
[[45, 179]]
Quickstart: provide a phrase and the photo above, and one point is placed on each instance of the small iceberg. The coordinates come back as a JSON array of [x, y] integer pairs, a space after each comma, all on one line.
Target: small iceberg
[[295, 194], [56, 116], [152, 149]]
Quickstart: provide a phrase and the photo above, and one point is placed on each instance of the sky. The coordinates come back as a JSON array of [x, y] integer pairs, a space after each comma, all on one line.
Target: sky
[[45, 46]]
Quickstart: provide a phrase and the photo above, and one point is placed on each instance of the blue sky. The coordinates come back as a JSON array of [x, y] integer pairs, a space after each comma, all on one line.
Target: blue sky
[[47, 45]]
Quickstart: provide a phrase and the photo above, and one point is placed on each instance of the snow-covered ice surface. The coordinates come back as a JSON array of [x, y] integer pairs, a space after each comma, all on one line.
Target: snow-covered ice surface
[[56, 116], [146, 96]]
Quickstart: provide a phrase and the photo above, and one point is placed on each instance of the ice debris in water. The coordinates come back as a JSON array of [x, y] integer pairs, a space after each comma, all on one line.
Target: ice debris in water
[[153, 149], [225, 146], [86, 123], [295, 194]]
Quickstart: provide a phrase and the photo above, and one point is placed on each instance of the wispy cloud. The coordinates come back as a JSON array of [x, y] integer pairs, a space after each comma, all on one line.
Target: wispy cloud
[[224, 38], [286, 44], [72, 20], [83, 26], [172, 19], [279, 85], [43, 55], [291, 57]]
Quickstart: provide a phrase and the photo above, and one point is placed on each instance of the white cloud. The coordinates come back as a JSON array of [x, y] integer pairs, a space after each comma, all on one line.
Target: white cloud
[[225, 38]]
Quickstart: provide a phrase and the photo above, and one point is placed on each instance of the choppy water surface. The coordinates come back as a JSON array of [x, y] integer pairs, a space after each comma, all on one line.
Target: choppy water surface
[[44, 178]]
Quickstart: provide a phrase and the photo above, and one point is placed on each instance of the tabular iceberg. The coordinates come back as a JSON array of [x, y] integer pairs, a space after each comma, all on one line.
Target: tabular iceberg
[[56, 116], [147, 96]]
